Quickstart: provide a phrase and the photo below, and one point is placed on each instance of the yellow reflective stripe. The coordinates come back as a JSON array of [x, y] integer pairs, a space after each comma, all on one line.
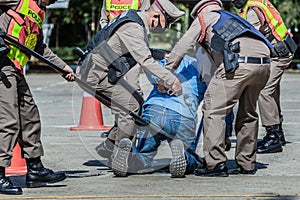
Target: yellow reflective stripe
[[279, 29], [16, 30], [135, 4], [24, 8], [111, 17], [16, 54]]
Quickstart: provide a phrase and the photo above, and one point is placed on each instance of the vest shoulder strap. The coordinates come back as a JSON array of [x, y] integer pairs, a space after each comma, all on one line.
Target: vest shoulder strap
[[203, 28], [260, 15]]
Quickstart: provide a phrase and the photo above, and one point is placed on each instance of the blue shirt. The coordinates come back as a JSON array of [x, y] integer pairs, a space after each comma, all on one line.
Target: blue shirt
[[192, 90]]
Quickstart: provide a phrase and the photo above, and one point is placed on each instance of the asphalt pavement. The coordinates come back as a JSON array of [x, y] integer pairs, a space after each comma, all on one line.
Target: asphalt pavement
[[60, 103]]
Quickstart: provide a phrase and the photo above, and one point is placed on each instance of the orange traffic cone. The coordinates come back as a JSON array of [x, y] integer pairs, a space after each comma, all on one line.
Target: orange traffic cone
[[18, 164], [91, 115]]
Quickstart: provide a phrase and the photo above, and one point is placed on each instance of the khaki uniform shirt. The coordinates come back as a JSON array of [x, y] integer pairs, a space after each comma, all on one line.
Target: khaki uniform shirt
[[41, 48]]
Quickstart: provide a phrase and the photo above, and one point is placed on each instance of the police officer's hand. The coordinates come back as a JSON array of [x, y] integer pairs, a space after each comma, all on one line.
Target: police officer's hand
[[162, 88], [176, 88], [167, 55], [70, 76]]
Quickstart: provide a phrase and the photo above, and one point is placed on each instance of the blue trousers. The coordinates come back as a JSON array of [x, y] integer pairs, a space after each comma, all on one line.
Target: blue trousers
[[176, 125]]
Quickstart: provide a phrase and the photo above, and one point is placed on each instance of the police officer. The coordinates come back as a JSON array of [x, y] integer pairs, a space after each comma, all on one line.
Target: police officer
[[110, 10], [264, 16], [20, 120], [242, 56], [127, 35]]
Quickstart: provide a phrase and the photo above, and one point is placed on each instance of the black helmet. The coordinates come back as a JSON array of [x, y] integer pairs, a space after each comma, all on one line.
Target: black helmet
[[239, 3], [52, 1], [227, 4]]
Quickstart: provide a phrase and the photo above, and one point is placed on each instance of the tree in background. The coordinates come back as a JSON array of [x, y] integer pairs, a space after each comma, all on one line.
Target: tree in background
[[78, 23], [289, 10]]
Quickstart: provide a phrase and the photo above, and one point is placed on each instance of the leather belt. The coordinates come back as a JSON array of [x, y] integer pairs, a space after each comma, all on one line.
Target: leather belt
[[254, 60]]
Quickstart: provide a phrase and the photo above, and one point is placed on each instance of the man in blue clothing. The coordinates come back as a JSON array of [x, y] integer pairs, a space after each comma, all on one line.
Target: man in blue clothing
[[177, 116]]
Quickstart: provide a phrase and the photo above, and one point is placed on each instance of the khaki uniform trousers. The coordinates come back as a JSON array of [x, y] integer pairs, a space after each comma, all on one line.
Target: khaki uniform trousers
[[125, 124], [269, 98], [19, 117], [222, 94], [133, 78]]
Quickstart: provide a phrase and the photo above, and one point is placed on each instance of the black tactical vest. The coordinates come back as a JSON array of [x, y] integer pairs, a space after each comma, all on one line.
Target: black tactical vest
[[112, 26]]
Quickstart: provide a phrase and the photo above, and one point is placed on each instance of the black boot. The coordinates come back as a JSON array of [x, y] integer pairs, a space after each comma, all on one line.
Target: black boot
[[271, 142], [38, 175], [219, 170], [6, 186], [281, 135]]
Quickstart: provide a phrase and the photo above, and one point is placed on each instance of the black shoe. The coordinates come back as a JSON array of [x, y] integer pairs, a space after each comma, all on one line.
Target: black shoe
[[178, 163], [271, 142], [6, 187], [281, 135], [104, 151], [282, 138], [240, 170], [260, 142], [120, 161], [269, 147], [219, 170], [39, 176]]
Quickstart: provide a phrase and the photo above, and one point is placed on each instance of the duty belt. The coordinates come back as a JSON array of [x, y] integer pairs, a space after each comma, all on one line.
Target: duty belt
[[254, 60]]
